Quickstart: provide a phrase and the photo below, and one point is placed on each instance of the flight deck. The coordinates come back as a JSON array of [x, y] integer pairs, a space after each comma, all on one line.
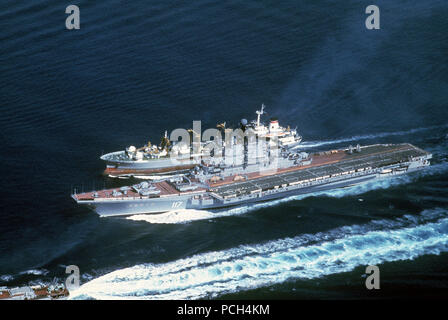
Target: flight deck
[[368, 158]]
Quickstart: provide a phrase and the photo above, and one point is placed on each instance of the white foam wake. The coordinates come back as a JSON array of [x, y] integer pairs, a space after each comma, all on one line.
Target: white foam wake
[[187, 215], [36, 272], [246, 267], [313, 144], [174, 217]]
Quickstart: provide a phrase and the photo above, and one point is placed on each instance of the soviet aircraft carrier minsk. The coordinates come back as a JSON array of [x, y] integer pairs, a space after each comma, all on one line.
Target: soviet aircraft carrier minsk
[[217, 186]]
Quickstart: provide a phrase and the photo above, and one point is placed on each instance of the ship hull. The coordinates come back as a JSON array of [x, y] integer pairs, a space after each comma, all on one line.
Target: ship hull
[[123, 172], [158, 205], [118, 168]]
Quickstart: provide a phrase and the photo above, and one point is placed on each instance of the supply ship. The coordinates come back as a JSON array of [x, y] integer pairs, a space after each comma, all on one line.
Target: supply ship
[[170, 158], [274, 173]]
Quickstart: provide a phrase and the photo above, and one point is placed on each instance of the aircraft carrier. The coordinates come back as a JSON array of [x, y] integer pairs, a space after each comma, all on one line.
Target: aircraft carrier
[[213, 185]]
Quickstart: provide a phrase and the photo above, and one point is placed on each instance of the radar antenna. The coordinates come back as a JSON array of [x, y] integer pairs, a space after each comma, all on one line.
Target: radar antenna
[[259, 113], [193, 132], [221, 125], [165, 143]]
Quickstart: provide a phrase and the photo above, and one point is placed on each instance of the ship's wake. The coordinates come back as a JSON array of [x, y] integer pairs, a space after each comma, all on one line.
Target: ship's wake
[[314, 144], [175, 216], [185, 216], [307, 256]]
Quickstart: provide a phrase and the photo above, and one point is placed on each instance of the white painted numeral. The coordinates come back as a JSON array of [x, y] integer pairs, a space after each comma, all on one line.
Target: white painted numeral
[[176, 204]]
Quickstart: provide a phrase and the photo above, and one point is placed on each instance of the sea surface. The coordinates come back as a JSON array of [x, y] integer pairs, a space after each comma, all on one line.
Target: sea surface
[[137, 68]]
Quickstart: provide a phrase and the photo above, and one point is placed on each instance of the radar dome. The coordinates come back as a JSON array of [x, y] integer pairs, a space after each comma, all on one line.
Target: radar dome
[[244, 122]]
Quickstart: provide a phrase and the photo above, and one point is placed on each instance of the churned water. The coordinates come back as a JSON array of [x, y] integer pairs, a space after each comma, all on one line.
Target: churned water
[[136, 68]]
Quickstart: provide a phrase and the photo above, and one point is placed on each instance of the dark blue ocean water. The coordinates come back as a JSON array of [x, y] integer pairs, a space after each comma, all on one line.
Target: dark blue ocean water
[[137, 68]]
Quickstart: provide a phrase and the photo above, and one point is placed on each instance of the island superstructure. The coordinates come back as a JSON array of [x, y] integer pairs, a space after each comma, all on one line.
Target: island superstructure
[[212, 185], [159, 160]]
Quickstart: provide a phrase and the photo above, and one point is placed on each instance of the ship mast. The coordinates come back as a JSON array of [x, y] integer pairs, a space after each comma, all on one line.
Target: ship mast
[[165, 143], [259, 113]]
